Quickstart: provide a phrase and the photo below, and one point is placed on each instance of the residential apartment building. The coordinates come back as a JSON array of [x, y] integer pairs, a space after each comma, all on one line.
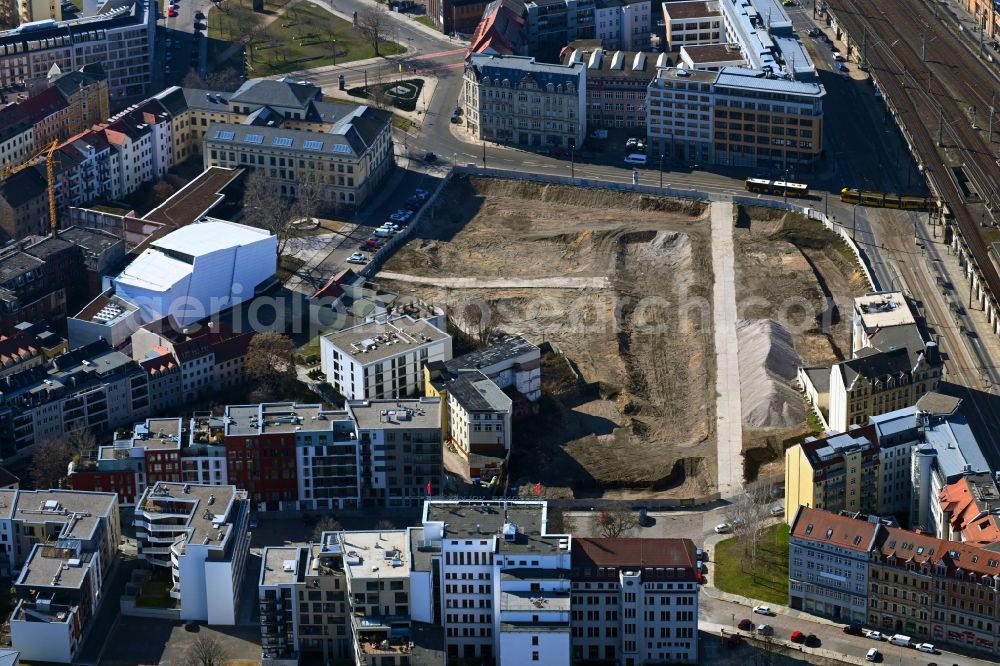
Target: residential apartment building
[[551, 24], [305, 457], [24, 205], [622, 25], [970, 510], [19, 352], [210, 357], [828, 564], [67, 543], [92, 386], [691, 22], [198, 533], [17, 136], [120, 37], [304, 605], [514, 99], [836, 473], [927, 588], [901, 464], [383, 358], [616, 83], [456, 16], [635, 601], [86, 93], [499, 585]]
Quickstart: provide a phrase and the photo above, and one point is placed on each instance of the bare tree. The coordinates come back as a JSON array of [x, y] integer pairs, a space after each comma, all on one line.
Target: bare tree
[[270, 360], [207, 651], [747, 515], [616, 523], [50, 463], [385, 524], [325, 524], [225, 80], [373, 22], [265, 208]]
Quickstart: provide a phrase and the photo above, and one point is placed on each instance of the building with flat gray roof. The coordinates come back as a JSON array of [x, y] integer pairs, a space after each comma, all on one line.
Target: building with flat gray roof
[[383, 358], [527, 617], [198, 532], [63, 547]]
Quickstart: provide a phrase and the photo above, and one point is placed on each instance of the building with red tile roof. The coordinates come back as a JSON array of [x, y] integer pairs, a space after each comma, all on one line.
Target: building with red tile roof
[[970, 510]]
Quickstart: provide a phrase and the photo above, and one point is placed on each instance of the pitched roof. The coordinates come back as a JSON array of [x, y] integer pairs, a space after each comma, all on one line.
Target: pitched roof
[[835, 529], [972, 502], [623, 552], [873, 364], [22, 187], [44, 104], [283, 92], [70, 83]]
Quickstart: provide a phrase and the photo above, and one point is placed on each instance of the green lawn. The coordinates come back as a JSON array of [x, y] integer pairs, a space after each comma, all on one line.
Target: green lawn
[[300, 38], [425, 19], [768, 581]]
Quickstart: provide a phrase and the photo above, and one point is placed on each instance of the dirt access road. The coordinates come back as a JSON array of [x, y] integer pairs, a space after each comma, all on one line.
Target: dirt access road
[[638, 416]]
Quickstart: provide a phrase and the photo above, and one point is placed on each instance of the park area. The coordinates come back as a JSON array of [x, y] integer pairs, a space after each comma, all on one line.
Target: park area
[[762, 578], [286, 37]]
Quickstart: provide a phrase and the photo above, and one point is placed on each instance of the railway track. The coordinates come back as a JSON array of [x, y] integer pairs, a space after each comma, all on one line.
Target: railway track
[[932, 98]]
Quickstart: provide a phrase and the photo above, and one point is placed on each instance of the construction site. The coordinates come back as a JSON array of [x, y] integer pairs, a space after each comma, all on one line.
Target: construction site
[[795, 285], [617, 288]]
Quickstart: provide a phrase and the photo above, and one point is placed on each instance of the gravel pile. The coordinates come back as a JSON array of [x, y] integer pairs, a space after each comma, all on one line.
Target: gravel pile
[[768, 363]]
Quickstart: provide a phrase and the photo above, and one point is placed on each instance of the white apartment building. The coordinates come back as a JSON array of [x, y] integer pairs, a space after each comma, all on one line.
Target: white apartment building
[[828, 560], [514, 99], [504, 581], [691, 22], [635, 601], [383, 358], [64, 546], [199, 532]]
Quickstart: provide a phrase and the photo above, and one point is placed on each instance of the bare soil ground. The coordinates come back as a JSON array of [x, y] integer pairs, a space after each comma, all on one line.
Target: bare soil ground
[[633, 412], [798, 273]]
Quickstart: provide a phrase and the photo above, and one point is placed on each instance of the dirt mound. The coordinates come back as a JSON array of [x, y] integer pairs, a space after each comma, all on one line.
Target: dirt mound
[[768, 363]]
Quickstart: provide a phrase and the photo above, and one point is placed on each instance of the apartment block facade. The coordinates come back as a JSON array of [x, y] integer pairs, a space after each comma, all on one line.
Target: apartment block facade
[[120, 38], [617, 82], [690, 23], [514, 99], [383, 358], [635, 601], [927, 588], [199, 533], [63, 547]]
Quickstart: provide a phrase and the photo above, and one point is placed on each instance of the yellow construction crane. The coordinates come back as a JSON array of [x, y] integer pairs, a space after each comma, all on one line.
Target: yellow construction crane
[[50, 177]]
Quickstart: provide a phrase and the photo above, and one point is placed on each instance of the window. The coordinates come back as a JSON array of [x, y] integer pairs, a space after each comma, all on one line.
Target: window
[[534, 656]]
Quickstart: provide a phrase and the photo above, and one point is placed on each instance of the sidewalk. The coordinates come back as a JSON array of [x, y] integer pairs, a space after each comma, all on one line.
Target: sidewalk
[[717, 629]]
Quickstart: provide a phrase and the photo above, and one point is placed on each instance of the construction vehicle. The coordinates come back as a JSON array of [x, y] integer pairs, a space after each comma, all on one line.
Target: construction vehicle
[[45, 155]]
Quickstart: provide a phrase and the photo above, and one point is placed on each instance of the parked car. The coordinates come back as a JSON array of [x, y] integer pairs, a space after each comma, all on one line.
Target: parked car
[[171, 13], [798, 637], [765, 630], [401, 215], [374, 243], [745, 624], [901, 640], [812, 641], [763, 610], [873, 655], [723, 528], [198, 15], [383, 232], [926, 647], [853, 629], [457, 120], [430, 157], [357, 258], [874, 635], [777, 510]]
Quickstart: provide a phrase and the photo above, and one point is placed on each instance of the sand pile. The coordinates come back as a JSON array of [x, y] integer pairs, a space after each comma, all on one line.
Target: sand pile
[[768, 363]]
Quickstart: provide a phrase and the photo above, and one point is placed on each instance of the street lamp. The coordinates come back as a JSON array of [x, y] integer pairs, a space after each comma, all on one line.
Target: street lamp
[[335, 53], [572, 160], [661, 171], [854, 223]]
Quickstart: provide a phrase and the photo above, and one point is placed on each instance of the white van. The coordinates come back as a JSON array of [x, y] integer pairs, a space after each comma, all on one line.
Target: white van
[[636, 158], [900, 639]]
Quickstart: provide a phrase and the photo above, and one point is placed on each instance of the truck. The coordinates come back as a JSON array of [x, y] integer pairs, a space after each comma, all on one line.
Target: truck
[[900, 639]]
